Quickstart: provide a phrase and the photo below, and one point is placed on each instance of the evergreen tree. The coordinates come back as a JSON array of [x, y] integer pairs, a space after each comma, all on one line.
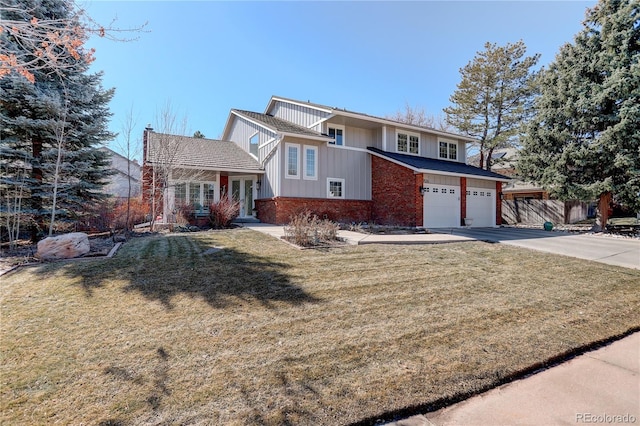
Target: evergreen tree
[[63, 108], [494, 97], [584, 141]]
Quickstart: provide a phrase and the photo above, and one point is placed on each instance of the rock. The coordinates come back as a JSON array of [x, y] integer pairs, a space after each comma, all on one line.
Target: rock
[[64, 246]]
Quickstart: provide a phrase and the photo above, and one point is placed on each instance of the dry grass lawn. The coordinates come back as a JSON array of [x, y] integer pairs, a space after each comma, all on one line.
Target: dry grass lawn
[[170, 332]]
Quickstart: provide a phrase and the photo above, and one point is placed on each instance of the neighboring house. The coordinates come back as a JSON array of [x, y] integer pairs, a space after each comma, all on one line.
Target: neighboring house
[[118, 185], [339, 164], [527, 202]]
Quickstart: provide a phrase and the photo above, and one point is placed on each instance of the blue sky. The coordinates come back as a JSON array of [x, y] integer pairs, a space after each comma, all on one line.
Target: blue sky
[[206, 57]]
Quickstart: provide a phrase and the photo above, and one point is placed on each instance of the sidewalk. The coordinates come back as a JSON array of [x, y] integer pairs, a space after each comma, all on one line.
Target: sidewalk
[[356, 238], [599, 387]]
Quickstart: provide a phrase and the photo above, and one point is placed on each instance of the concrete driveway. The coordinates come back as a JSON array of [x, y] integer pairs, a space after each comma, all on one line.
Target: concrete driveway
[[613, 251]]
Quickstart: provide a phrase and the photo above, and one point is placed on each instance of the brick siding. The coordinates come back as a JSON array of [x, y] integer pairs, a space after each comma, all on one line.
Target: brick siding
[[395, 191], [279, 210]]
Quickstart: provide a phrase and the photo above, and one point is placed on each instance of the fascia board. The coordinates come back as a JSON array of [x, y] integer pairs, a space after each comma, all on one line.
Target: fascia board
[[403, 125], [275, 99], [257, 123]]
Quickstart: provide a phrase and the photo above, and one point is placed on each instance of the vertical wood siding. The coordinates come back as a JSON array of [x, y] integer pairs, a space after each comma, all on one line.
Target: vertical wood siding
[[302, 116], [352, 166], [242, 130]]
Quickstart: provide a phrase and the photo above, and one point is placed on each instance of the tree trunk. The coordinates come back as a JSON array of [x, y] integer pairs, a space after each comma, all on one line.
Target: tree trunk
[[36, 198], [603, 212]]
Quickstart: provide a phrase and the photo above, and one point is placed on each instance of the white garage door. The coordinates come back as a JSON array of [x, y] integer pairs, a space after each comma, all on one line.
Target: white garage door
[[481, 206], [441, 206]]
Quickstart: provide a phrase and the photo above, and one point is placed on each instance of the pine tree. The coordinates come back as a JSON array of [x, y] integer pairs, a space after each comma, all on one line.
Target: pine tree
[[66, 107], [584, 140], [494, 97]]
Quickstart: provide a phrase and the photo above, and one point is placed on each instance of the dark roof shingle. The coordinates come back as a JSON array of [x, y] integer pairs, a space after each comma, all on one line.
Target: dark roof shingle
[[423, 163]]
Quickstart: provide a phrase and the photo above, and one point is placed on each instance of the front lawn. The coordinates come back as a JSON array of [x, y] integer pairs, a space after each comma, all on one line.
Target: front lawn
[[174, 331]]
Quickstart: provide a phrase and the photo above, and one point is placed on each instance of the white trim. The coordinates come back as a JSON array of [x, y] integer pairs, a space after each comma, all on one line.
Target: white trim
[[266, 143], [448, 142], [298, 103], [311, 137], [288, 145], [409, 134], [304, 162], [384, 138], [257, 154], [403, 125], [220, 169], [341, 180], [312, 125], [257, 123], [337, 127], [348, 148]]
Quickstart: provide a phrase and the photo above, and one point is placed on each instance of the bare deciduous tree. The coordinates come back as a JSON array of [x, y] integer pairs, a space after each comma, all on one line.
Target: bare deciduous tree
[[418, 116]]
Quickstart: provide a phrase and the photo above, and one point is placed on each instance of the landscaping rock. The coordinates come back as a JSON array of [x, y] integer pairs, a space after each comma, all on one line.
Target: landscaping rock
[[65, 246]]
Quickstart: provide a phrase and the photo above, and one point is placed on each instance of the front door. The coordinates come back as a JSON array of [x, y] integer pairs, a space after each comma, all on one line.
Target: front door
[[242, 190]]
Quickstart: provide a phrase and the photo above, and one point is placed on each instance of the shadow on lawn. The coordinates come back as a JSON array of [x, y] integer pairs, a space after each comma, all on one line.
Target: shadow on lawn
[[165, 266]]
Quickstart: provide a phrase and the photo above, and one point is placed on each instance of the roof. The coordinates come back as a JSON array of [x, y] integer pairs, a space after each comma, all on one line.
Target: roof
[[279, 125], [189, 152], [344, 111], [426, 165]]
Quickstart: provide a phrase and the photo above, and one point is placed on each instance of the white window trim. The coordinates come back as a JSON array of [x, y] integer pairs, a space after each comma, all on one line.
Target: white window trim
[[449, 142], [404, 132], [344, 134], [329, 180], [315, 163], [286, 161], [258, 144]]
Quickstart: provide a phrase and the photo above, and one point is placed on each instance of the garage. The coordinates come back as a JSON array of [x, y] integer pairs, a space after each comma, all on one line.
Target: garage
[[481, 206], [441, 206]]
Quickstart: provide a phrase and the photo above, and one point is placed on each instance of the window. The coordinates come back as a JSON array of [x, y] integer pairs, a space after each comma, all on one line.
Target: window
[[291, 161], [253, 144], [180, 194], [198, 194], [337, 133], [407, 142], [310, 165], [448, 150], [335, 188]]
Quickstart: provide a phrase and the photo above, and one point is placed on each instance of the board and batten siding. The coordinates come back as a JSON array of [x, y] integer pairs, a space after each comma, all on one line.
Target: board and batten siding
[[273, 171], [442, 179], [298, 114], [339, 163], [356, 137], [481, 183], [428, 143], [242, 130]]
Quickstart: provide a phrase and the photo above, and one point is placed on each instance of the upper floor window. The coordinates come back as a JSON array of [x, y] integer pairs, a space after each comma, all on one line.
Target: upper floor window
[[291, 161], [337, 133], [407, 142], [310, 164], [448, 150], [254, 141]]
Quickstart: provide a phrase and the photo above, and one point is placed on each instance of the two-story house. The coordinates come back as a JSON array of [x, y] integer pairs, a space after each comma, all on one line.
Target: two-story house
[[343, 165]]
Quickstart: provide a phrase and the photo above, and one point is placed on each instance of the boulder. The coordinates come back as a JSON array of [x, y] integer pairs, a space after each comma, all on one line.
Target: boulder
[[64, 246]]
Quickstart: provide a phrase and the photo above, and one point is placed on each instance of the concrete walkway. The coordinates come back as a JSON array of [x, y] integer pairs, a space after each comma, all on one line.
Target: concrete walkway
[[356, 238], [599, 387]]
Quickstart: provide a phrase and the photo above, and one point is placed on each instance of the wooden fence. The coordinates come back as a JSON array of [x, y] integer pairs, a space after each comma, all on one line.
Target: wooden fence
[[540, 211]]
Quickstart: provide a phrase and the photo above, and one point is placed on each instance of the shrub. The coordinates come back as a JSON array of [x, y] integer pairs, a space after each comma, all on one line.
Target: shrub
[[306, 229], [186, 214], [138, 211], [223, 212]]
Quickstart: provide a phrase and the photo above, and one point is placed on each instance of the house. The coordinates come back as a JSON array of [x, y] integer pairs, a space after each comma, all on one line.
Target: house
[[125, 172], [343, 165], [527, 202]]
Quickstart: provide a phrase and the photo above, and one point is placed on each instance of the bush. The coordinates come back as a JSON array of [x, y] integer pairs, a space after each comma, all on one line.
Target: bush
[[223, 212], [306, 229], [186, 214], [138, 211]]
